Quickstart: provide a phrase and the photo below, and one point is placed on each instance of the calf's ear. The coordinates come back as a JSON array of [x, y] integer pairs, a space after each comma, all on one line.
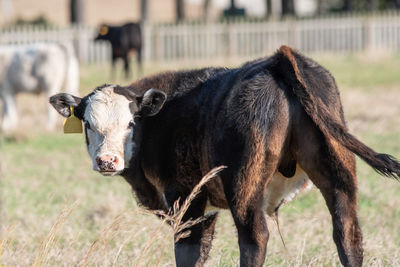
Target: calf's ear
[[151, 102], [62, 103]]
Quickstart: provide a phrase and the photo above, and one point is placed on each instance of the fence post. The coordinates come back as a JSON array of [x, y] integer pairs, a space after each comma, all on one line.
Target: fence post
[[369, 35], [160, 43], [79, 43], [293, 34], [232, 39], [147, 42]]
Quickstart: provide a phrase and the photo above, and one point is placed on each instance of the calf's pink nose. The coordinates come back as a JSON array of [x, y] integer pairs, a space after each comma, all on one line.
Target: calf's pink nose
[[107, 162]]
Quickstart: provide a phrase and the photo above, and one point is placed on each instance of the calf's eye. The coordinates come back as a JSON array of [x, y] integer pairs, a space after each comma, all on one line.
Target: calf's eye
[[131, 124]]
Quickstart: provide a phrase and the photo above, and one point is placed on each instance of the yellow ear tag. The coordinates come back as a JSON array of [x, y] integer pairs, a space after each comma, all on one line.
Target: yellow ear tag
[[72, 124]]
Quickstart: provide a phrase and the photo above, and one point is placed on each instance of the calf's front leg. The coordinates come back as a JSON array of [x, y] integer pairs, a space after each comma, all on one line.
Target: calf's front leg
[[193, 250]]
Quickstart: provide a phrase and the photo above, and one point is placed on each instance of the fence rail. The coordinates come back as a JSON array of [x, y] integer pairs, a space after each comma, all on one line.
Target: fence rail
[[87, 50], [336, 34], [191, 41]]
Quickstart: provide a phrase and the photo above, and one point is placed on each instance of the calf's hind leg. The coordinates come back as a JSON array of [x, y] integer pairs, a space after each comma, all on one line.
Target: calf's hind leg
[[331, 167], [244, 191]]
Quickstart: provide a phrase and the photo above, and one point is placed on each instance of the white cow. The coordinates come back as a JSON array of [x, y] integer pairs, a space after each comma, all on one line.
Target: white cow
[[46, 67]]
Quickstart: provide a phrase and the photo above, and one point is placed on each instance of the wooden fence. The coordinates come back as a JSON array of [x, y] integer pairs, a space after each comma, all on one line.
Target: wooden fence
[[81, 37], [199, 41], [344, 34]]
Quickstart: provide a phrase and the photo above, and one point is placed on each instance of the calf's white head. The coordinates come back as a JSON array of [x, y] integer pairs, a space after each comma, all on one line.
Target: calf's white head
[[112, 116]]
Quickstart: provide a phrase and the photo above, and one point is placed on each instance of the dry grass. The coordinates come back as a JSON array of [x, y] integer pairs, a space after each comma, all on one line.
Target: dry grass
[[49, 242], [379, 109], [102, 244], [57, 212], [175, 215]]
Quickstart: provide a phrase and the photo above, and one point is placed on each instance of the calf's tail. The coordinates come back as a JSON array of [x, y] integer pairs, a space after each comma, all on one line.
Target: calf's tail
[[291, 73]]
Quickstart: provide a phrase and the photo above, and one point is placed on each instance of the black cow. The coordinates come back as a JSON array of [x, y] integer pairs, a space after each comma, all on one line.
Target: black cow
[[123, 39], [275, 123]]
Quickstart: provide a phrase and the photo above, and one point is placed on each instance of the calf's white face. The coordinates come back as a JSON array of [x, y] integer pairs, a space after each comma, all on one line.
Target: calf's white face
[[109, 129], [108, 114]]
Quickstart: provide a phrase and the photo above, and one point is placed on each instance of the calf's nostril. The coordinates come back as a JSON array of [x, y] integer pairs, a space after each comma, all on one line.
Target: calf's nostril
[[107, 162]]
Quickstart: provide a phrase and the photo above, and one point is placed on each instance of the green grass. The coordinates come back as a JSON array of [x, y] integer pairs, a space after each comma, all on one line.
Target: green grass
[[353, 71], [350, 71], [44, 174]]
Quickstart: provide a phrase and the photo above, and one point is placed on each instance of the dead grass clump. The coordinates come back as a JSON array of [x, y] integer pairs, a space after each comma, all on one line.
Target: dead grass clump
[[124, 222], [50, 240], [5, 239], [175, 215], [102, 241]]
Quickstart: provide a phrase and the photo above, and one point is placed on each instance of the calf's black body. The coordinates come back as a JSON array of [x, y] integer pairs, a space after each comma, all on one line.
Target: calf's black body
[[273, 115]]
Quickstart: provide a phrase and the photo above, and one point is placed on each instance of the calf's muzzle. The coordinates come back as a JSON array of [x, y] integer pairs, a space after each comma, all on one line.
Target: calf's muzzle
[[107, 163]]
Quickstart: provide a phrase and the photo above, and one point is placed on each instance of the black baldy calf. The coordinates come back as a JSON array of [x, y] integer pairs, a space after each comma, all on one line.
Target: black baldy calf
[[277, 123], [123, 40]]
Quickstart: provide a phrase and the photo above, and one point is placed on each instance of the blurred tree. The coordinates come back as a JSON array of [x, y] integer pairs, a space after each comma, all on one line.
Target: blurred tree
[[372, 5], [358, 5], [319, 7], [206, 10], [347, 5], [180, 10], [144, 11], [234, 11], [40, 20], [77, 11], [268, 8], [288, 8]]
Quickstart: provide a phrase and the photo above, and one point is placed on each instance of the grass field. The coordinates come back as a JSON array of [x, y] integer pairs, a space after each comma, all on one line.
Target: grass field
[[57, 212]]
